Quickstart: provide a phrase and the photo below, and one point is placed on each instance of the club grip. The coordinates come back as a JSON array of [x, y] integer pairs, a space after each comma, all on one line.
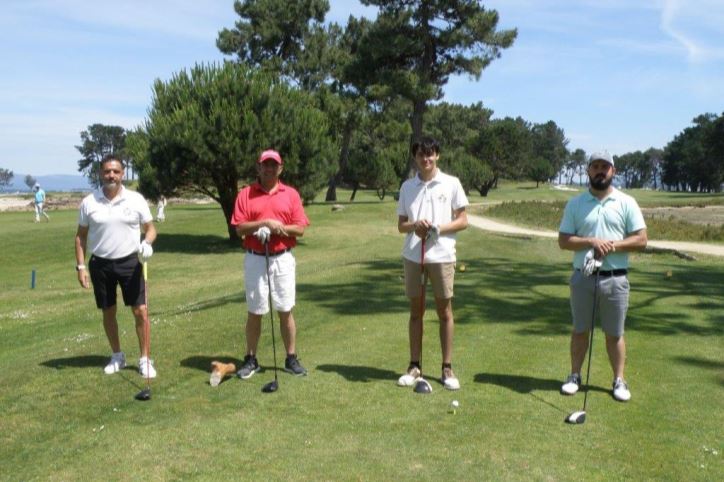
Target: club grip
[[145, 271]]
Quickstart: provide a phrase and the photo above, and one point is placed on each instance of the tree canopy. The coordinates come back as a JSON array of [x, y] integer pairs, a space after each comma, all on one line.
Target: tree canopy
[[6, 177], [206, 128], [694, 159], [414, 46], [30, 181], [282, 37], [98, 141]]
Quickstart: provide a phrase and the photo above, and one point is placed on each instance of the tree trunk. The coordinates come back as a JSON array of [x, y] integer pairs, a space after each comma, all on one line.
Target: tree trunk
[[343, 158], [485, 187], [355, 186], [416, 122]]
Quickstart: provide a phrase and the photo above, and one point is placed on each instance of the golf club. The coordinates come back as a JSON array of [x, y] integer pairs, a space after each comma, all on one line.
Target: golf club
[[272, 386], [145, 394], [422, 385], [580, 416]]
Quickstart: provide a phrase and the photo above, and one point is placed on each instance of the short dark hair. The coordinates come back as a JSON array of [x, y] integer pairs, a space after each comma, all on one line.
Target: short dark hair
[[427, 145], [112, 157]]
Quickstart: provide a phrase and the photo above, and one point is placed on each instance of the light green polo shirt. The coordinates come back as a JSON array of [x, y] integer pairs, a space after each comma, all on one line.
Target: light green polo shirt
[[613, 218]]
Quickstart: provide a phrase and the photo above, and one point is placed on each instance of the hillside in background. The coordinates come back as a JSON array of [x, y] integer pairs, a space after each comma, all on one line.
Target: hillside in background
[[53, 182]]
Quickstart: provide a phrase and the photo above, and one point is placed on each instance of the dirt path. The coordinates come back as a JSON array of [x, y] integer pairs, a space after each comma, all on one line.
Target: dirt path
[[488, 224]]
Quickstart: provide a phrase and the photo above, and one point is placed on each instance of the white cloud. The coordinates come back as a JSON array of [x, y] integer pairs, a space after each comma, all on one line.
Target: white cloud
[[180, 18], [698, 27]]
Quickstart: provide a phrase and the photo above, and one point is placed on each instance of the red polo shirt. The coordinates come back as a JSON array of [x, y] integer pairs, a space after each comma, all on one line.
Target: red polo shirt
[[255, 204]]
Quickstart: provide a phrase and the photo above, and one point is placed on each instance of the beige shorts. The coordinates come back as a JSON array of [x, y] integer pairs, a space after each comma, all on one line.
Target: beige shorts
[[441, 275], [282, 274]]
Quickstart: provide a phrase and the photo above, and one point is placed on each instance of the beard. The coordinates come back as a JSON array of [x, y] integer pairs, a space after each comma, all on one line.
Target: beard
[[600, 183]]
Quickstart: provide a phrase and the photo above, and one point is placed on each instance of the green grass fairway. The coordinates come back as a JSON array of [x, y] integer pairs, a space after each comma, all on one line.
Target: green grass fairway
[[62, 418]]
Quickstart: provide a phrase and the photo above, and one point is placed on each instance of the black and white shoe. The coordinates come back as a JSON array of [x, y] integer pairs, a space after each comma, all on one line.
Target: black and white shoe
[[572, 384], [248, 368], [292, 365]]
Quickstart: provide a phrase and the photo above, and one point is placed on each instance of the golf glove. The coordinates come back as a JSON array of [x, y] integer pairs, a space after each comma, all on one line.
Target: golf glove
[[263, 234], [145, 251], [433, 234], [590, 263]]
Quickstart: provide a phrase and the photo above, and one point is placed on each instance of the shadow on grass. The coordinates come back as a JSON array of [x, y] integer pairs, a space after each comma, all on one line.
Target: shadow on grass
[[361, 288], [701, 284], [518, 383], [357, 373], [348, 202], [526, 385], [533, 298], [85, 361], [195, 244], [208, 304], [713, 365], [97, 362], [203, 363]]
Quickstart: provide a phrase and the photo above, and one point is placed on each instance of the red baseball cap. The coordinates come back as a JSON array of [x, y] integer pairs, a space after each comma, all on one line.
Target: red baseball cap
[[270, 154]]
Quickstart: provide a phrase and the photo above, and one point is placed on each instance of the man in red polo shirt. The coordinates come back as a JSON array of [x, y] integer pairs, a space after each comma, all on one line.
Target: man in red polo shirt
[[269, 211]]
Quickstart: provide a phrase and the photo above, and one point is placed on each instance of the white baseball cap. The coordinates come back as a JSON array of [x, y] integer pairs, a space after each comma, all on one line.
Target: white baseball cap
[[601, 156]]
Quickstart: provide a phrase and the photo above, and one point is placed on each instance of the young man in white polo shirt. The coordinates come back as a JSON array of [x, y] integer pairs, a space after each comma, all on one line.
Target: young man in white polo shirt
[[430, 211], [110, 222], [601, 225]]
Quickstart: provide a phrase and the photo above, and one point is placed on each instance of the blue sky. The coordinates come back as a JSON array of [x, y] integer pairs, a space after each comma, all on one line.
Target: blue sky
[[616, 74]]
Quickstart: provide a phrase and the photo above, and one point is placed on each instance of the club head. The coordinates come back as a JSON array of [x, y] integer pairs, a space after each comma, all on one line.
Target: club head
[[422, 386], [144, 395], [270, 387], [576, 417]]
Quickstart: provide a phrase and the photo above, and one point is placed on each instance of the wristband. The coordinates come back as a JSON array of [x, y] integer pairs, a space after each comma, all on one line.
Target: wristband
[[80, 267]]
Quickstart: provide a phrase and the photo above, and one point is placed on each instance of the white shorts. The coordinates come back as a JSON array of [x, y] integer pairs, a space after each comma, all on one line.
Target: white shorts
[[282, 274]]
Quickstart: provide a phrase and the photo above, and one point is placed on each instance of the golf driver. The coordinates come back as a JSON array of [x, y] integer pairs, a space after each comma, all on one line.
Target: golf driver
[[145, 394], [272, 386], [579, 417], [422, 385]]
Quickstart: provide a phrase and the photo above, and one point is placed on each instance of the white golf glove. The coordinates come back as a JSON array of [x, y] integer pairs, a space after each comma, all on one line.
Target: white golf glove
[[590, 263], [263, 234], [145, 251], [433, 234]]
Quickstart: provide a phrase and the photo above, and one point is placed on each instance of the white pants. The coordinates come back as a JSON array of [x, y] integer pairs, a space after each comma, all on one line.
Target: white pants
[[282, 274], [39, 211]]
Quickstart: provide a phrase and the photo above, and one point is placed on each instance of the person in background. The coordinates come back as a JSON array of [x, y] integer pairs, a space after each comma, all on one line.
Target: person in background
[[39, 203]]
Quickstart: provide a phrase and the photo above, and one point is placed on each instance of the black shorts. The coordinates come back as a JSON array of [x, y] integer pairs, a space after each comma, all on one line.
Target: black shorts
[[106, 274]]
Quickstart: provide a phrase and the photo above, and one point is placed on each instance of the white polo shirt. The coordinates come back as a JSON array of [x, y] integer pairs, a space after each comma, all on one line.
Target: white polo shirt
[[114, 227], [435, 201]]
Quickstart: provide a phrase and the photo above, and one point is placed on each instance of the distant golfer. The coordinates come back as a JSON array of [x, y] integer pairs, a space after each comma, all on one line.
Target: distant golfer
[[431, 209], [161, 209], [110, 221], [270, 212], [601, 226], [39, 203]]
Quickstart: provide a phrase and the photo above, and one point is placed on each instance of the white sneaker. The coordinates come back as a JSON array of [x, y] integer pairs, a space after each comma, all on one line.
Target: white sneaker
[[145, 367], [621, 391], [409, 378], [573, 383], [449, 380], [116, 363]]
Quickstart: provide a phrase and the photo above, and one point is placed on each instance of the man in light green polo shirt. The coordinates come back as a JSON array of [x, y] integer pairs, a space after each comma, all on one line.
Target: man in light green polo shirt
[[605, 224]]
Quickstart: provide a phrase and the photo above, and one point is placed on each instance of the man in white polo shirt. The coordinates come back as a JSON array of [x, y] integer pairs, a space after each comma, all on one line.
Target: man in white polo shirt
[[430, 211], [110, 223], [602, 226]]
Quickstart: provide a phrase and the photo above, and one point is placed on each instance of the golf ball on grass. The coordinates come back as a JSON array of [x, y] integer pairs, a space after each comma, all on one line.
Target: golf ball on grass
[[454, 406]]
